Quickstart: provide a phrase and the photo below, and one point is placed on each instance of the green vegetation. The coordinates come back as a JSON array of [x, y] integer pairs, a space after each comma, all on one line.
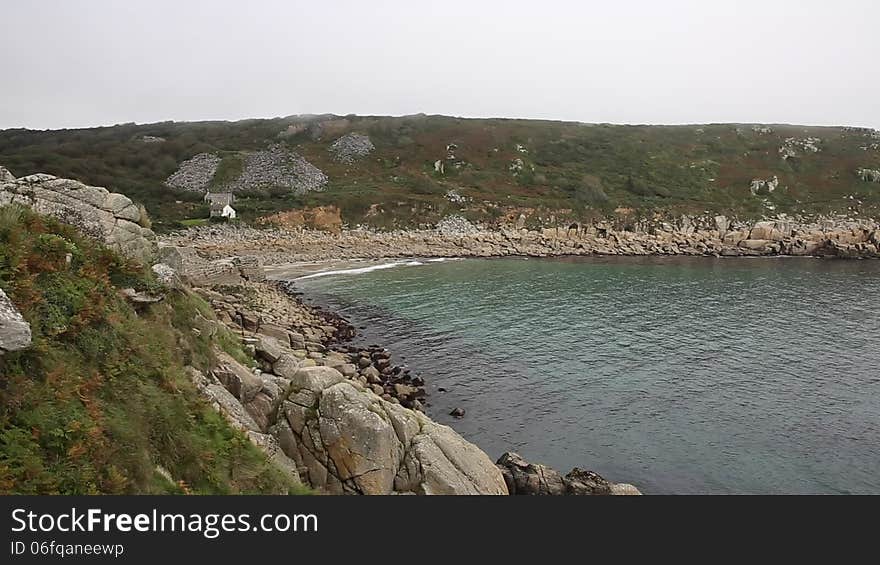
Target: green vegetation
[[101, 402], [229, 169], [568, 169]]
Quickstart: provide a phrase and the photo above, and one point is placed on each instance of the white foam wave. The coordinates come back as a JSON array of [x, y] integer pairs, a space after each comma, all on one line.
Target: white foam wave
[[362, 270], [357, 271]]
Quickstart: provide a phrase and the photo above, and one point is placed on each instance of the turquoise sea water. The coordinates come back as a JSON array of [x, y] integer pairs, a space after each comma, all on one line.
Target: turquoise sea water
[[678, 375]]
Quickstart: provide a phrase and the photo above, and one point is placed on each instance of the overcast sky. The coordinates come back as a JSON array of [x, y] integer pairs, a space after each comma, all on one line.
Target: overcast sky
[[97, 62]]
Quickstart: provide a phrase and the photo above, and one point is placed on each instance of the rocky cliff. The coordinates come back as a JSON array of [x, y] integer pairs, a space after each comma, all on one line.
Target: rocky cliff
[[109, 217]]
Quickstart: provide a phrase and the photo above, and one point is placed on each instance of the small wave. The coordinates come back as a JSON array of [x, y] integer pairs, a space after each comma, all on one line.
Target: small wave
[[414, 264], [357, 271]]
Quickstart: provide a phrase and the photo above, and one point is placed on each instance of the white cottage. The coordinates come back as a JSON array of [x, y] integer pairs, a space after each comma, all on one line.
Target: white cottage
[[220, 210]]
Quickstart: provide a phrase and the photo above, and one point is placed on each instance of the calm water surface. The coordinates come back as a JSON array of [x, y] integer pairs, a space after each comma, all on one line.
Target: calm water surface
[[678, 375]]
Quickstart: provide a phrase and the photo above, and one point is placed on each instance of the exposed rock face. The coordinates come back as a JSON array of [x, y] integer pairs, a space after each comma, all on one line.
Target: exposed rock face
[[524, 478], [109, 217], [351, 147], [195, 174], [278, 167], [15, 332], [350, 440]]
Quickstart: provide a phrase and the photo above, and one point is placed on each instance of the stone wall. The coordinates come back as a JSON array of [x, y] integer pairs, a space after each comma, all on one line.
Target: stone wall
[[109, 217]]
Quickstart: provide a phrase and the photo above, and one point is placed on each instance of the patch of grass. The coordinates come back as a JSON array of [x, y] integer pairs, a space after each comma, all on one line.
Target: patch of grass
[[230, 168], [194, 222]]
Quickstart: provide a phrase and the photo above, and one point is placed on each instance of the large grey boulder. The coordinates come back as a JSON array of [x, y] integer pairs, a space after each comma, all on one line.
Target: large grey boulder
[[346, 439], [15, 332], [106, 216]]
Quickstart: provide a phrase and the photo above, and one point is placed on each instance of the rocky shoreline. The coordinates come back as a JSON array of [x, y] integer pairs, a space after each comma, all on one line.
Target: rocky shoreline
[[311, 386], [344, 419], [712, 236]]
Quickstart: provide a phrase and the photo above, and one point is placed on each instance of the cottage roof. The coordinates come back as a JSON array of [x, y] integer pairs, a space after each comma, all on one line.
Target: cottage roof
[[221, 198]]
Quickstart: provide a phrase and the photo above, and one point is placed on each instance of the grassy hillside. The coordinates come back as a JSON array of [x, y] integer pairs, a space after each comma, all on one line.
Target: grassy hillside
[[101, 400], [566, 169]]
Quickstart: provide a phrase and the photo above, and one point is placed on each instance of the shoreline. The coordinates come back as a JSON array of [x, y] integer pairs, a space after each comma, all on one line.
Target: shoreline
[[840, 238], [301, 270]]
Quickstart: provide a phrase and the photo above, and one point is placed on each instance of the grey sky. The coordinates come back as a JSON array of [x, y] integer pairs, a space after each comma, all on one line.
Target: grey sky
[[83, 63]]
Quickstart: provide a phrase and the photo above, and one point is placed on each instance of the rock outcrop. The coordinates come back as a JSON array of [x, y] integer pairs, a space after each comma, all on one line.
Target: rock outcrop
[[349, 440], [109, 217], [15, 332], [524, 478]]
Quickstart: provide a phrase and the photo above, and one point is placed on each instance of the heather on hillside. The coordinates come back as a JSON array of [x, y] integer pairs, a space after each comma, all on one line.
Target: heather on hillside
[[101, 402], [402, 174]]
